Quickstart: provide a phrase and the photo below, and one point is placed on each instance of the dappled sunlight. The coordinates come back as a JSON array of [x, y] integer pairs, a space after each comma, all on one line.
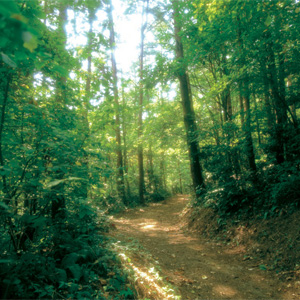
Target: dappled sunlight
[[197, 267], [224, 290], [149, 226], [178, 238], [147, 279], [182, 198]]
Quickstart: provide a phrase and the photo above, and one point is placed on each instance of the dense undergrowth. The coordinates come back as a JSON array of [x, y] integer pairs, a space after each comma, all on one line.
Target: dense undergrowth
[[261, 217], [61, 259]]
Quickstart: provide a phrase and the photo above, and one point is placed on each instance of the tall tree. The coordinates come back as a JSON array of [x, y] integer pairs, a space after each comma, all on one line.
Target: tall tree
[[57, 191], [245, 104], [141, 104], [187, 105], [120, 165]]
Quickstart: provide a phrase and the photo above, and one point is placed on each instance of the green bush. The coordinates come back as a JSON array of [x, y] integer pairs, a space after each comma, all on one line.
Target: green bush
[[66, 259]]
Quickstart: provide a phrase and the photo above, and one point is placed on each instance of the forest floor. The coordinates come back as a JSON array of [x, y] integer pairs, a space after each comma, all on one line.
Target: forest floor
[[168, 261]]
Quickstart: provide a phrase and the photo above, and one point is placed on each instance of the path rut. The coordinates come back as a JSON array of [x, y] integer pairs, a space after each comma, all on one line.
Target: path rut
[[199, 268]]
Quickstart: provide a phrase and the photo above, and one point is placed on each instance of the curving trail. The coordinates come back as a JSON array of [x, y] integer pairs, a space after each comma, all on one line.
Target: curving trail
[[200, 269]]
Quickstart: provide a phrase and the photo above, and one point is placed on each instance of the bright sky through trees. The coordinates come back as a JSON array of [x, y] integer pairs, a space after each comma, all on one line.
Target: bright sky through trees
[[127, 28]]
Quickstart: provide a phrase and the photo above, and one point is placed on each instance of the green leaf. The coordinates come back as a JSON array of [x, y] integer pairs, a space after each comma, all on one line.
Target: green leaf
[[30, 41], [61, 275], [268, 21], [62, 71], [6, 261], [8, 61], [75, 271], [3, 41], [69, 259], [4, 206], [55, 183], [263, 267]]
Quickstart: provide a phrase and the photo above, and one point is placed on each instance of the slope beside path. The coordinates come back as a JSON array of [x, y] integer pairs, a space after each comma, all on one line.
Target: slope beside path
[[198, 268]]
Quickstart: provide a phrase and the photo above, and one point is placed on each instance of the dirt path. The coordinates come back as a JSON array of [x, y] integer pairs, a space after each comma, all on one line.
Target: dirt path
[[199, 268]]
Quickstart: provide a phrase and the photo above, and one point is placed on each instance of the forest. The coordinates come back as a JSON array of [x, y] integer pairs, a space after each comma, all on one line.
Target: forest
[[110, 106]]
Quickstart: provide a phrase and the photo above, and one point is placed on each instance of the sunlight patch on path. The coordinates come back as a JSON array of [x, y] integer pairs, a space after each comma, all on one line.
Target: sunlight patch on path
[[144, 273], [198, 268], [224, 291]]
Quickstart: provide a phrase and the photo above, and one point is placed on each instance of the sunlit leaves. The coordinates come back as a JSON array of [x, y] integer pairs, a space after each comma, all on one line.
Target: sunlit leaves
[[268, 21], [30, 41], [8, 61]]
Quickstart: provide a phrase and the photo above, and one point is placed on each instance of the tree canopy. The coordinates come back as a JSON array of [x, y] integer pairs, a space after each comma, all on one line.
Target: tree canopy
[[210, 108]]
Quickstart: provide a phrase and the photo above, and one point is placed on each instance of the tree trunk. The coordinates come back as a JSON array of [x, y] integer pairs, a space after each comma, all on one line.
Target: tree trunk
[[140, 115], [120, 170], [188, 111], [248, 137], [245, 98], [4, 87], [151, 170], [257, 122], [82, 190], [180, 177], [279, 101], [57, 192], [125, 155]]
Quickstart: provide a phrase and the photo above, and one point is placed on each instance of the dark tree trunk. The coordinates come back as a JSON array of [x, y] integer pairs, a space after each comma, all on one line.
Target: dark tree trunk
[[4, 89], [188, 111], [57, 192], [245, 103], [278, 100], [248, 138], [180, 177]]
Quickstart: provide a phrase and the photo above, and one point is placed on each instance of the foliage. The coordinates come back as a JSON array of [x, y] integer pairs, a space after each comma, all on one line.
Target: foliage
[[70, 260], [60, 154]]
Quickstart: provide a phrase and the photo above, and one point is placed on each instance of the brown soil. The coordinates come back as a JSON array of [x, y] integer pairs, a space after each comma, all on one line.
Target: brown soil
[[199, 268]]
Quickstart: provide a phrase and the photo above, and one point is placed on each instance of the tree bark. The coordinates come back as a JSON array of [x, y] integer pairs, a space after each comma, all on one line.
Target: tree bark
[[57, 192], [120, 167], [140, 115], [187, 105], [245, 97], [279, 100], [125, 155], [4, 99]]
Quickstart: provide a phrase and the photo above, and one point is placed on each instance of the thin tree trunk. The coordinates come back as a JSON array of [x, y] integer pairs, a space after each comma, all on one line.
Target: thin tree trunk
[[248, 137], [2, 122], [180, 176], [279, 101], [140, 115], [188, 111], [57, 192], [89, 70], [257, 122], [245, 95], [242, 110], [82, 190], [151, 170], [125, 155], [120, 170], [163, 182], [61, 81]]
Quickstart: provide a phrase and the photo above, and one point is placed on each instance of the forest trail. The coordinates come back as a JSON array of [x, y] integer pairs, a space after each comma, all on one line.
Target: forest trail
[[200, 269]]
